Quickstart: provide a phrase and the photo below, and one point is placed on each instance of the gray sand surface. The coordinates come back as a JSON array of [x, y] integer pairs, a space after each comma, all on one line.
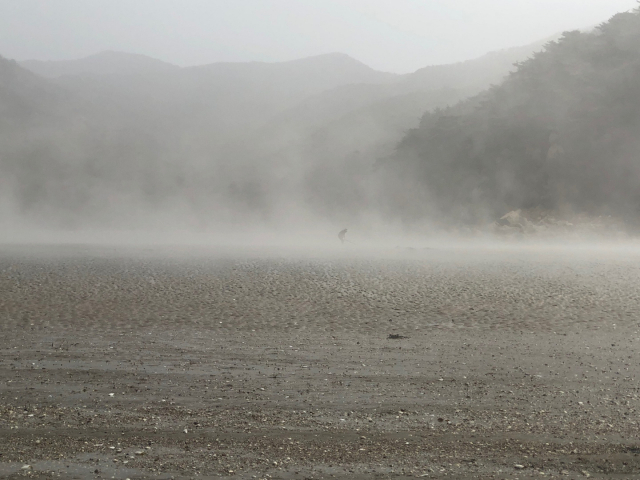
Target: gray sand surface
[[157, 363]]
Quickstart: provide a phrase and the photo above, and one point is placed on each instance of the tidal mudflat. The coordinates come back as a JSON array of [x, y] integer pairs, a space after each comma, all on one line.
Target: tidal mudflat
[[155, 363]]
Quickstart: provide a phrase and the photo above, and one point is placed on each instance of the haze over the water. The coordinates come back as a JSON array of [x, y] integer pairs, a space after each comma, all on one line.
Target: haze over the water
[[389, 35]]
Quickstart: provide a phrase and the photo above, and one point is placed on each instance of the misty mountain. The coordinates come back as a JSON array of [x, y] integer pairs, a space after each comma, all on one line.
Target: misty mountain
[[329, 144], [26, 98], [66, 159], [212, 102], [560, 133], [274, 85], [480, 72], [103, 63], [127, 134]]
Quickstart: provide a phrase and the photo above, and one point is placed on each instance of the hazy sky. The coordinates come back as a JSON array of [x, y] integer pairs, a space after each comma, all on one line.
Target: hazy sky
[[392, 35]]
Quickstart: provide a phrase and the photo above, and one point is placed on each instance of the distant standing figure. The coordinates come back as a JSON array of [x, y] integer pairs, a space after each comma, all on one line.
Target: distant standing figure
[[342, 234]]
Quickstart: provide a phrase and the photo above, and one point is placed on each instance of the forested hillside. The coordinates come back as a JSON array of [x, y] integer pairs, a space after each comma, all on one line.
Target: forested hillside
[[561, 133]]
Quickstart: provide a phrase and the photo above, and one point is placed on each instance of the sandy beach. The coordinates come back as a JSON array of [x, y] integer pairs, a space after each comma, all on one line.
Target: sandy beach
[[181, 363]]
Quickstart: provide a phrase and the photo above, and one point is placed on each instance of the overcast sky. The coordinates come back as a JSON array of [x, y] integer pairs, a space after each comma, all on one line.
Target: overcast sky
[[392, 35]]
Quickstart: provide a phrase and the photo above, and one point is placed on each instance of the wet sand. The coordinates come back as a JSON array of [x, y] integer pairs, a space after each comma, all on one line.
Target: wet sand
[[155, 363]]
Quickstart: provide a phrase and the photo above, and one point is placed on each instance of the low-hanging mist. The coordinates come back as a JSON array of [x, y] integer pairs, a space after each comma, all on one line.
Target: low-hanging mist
[[122, 141]]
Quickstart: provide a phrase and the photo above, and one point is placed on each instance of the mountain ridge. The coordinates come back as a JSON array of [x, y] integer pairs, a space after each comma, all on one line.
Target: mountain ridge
[[107, 62], [247, 138]]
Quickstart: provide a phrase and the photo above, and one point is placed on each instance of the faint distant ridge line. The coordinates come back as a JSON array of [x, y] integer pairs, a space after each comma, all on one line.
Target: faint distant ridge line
[[331, 55], [325, 62], [107, 62], [112, 62]]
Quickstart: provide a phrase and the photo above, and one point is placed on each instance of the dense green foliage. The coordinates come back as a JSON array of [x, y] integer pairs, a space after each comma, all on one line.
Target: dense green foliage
[[562, 132]]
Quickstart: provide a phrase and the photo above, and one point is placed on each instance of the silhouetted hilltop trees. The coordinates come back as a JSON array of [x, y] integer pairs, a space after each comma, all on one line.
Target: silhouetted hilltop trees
[[562, 132]]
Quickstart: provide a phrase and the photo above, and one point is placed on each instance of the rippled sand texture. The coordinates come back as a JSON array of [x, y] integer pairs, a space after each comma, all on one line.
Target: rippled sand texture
[[431, 363]]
